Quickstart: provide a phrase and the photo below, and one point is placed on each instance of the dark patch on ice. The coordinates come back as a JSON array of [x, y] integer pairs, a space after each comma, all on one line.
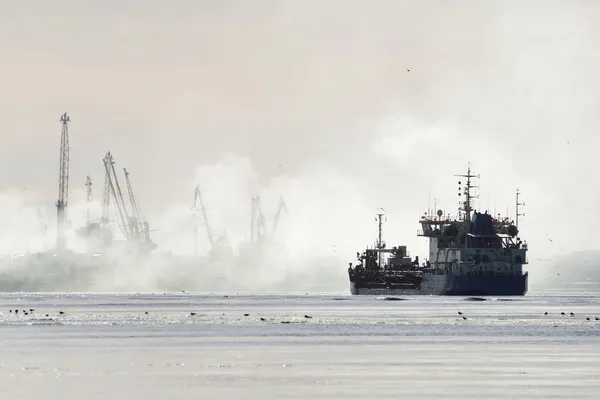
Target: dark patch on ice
[[391, 298], [475, 299], [340, 298]]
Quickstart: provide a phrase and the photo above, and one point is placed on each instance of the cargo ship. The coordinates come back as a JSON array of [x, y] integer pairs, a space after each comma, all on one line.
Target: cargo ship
[[474, 254]]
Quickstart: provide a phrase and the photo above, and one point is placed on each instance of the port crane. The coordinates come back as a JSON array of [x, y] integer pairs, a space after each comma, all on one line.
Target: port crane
[[132, 224], [219, 247], [258, 224], [280, 208], [258, 227], [139, 228], [63, 184], [98, 235], [209, 233], [105, 219], [113, 189]]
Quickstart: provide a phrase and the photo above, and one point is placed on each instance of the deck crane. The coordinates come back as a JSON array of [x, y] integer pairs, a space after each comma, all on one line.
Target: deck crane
[[209, 233]]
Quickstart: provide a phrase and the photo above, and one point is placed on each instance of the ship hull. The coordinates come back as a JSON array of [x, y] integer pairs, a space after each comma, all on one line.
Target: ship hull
[[453, 285]]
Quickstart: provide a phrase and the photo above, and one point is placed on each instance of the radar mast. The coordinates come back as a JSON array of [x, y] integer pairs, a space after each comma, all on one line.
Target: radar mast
[[467, 204], [380, 245]]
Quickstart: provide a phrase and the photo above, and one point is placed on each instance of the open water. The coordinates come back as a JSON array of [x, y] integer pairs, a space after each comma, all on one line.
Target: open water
[[151, 346]]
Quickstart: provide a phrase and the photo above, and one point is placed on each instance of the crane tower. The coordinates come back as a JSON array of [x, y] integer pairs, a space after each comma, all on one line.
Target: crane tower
[[89, 198], [63, 184]]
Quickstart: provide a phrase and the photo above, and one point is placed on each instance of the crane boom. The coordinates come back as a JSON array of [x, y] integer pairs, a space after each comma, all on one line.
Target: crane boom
[[115, 189], [134, 227], [63, 183], [106, 198], [209, 232], [136, 224], [280, 208], [257, 220]]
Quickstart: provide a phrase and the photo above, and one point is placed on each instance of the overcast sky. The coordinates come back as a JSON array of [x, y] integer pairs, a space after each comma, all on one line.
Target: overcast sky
[[321, 88]]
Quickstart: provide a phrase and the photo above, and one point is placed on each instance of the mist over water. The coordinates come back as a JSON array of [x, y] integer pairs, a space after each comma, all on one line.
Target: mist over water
[[310, 102], [310, 249]]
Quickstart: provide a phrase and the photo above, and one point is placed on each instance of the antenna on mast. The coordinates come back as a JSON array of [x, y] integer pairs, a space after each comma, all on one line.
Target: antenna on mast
[[467, 204], [380, 218], [429, 203], [517, 213], [380, 243]]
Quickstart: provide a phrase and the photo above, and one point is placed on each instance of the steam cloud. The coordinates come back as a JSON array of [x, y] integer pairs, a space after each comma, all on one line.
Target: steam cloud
[[321, 88], [309, 251]]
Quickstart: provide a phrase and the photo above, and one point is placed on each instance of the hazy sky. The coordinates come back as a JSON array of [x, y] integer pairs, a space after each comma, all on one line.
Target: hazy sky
[[320, 87]]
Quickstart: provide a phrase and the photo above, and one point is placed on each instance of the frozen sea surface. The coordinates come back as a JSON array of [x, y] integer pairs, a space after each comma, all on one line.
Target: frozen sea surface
[[150, 346]]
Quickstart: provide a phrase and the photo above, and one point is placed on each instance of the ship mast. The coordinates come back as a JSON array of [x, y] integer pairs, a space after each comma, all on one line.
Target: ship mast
[[467, 204], [379, 238], [380, 243], [518, 214]]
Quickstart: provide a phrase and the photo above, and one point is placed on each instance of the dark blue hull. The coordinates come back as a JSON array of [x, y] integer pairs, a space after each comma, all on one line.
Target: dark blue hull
[[451, 285], [486, 285]]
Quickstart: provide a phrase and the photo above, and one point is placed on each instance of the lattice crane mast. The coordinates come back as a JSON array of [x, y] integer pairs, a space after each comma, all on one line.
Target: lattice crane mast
[[257, 220], [63, 184]]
